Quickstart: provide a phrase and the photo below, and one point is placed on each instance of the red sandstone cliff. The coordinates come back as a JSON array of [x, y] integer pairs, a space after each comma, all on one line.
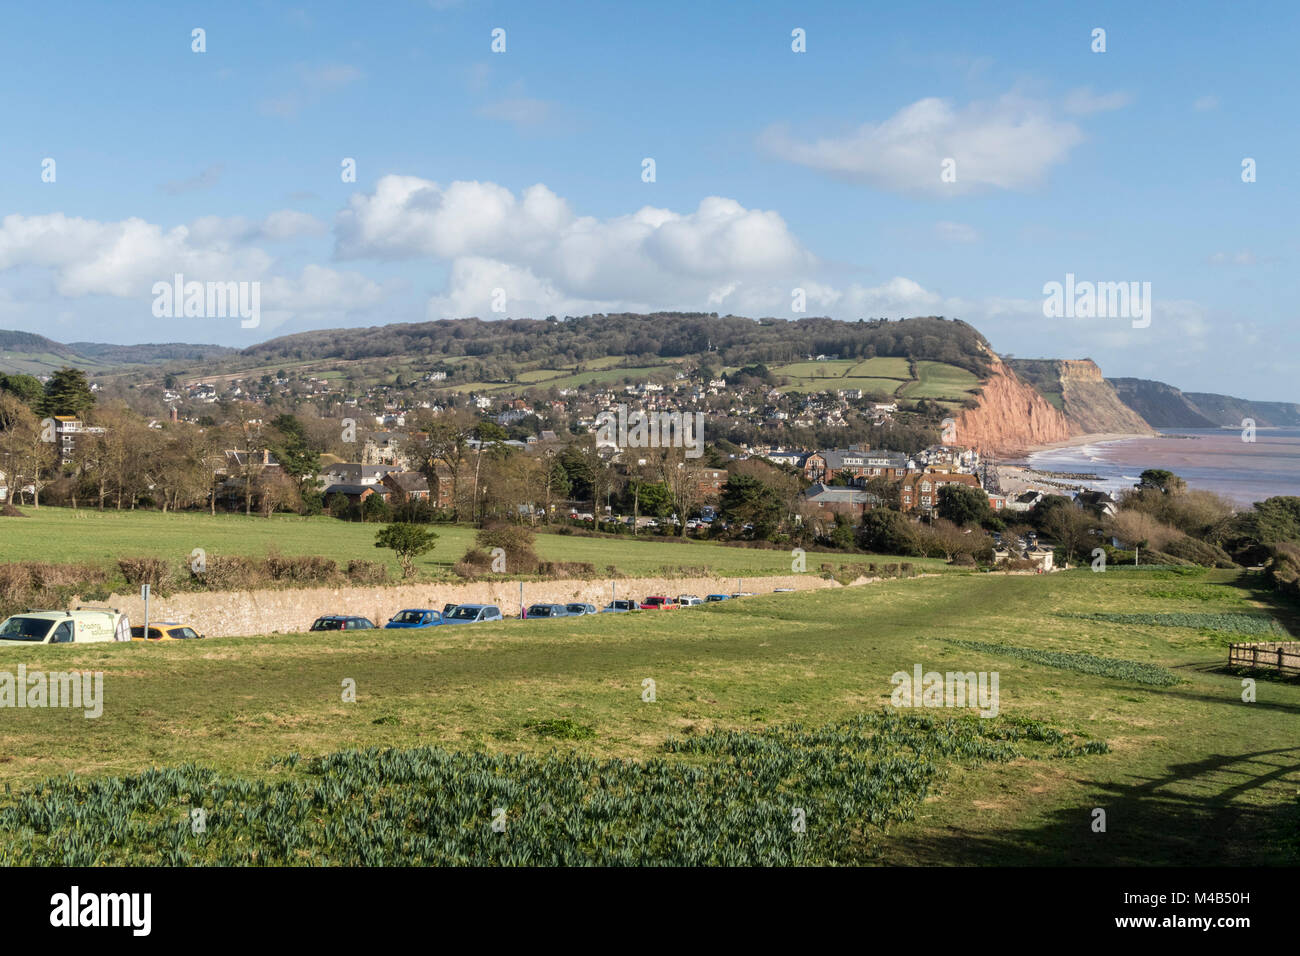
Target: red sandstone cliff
[[1010, 417]]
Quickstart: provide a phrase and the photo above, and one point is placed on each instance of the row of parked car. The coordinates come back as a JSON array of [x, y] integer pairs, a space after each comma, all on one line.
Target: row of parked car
[[413, 617], [96, 624], [421, 617]]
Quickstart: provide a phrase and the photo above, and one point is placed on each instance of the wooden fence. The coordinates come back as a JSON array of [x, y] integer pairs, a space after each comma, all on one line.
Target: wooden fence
[[1282, 656]]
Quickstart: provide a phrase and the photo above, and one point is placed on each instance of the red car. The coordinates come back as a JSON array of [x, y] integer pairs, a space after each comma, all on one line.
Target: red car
[[658, 602]]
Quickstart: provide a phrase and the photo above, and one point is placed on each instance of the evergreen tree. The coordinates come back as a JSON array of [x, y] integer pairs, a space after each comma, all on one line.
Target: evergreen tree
[[67, 393], [27, 388]]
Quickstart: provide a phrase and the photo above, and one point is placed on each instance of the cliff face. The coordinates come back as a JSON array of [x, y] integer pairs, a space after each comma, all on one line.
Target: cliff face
[[1162, 405], [1010, 417], [1166, 407], [1091, 405], [1224, 410], [1077, 388]]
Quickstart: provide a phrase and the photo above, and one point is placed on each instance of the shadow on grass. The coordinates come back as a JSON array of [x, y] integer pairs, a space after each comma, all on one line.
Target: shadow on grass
[[1199, 813], [1233, 696], [1283, 610]]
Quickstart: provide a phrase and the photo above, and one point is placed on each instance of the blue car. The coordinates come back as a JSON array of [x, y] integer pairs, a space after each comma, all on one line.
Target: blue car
[[415, 617], [547, 610], [580, 609], [619, 607], [472, 614], [718, 597]]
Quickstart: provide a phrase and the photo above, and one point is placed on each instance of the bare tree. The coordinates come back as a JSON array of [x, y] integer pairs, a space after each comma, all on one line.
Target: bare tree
[[25, 457], [681, 476], [445, 442], [245, 426], [1071, 528], [1139, 529]]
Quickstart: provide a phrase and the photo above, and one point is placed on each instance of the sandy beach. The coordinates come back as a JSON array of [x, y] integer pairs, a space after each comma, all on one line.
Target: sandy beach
[[1219, 460], [1015, 479], [1090, 440]]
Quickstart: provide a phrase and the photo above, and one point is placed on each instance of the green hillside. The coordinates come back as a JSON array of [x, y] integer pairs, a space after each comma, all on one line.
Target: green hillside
[[27, 353]]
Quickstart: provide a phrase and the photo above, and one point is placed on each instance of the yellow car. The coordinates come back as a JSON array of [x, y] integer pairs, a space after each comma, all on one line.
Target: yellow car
[[165, 631]]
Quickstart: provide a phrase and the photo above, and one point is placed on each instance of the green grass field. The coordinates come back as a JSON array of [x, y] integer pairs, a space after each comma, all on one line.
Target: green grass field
[[937, 380], [882, 367], [13, 361], [880, 376], [63, 535], [524, 712], [815, 371]]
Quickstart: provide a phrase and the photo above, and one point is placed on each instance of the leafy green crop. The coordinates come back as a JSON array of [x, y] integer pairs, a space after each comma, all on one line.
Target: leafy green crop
[[1081, 661], [727, 798], [1233, 623]]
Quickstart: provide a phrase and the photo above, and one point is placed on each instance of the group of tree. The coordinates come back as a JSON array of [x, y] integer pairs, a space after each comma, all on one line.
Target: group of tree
[[66, 392], [729, 340]]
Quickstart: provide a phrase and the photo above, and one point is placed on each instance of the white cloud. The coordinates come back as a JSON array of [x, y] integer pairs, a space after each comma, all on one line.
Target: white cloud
[[537, 242], [117, 258], [1008, 143], [473, 286], [280, 225], [318, 289], [124, 259]]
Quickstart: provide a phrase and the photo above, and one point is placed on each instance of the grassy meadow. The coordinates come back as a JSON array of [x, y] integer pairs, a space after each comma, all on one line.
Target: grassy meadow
[[768, 699], [939, 380], [64, 535]]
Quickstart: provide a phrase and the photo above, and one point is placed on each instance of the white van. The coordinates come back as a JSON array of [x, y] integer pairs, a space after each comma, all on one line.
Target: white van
[[84, 625]]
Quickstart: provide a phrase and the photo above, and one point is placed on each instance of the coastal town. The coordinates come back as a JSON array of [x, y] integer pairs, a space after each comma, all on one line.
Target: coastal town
[[522, 453]]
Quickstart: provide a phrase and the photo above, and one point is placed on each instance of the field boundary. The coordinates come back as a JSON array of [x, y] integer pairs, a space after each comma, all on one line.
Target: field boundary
[[1280, 656], [292, 610]]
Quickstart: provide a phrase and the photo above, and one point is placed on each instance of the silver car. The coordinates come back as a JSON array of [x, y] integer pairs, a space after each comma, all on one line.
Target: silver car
[[472, 614]]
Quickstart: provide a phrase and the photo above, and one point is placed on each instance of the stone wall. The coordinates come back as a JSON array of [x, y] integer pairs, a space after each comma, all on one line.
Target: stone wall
[[231, 613]]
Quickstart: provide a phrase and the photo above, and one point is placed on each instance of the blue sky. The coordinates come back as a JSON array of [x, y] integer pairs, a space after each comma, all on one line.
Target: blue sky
[[522, 171]]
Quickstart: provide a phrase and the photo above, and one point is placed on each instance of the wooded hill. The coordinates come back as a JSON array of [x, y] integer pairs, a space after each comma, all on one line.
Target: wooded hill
[[717, 340], [27, 353]]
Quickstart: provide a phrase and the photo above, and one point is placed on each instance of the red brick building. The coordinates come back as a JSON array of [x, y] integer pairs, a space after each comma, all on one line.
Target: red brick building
[[919, 490]]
